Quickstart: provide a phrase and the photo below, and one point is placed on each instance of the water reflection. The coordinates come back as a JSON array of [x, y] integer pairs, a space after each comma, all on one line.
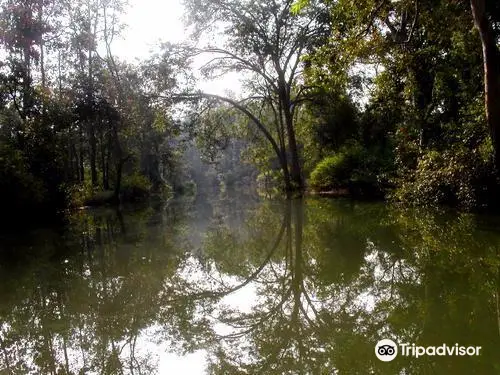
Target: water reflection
[[238, 286]]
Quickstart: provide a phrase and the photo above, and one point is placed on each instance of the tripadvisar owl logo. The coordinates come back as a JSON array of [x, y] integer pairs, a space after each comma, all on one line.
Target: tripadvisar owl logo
[[386, 350]]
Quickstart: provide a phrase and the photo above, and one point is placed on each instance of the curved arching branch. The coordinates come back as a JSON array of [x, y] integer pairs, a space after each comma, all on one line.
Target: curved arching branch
[[246, 112], [245, 63], [250, 278]]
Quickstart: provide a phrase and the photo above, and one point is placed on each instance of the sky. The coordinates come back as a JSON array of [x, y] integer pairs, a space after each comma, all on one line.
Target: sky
[[149, 343], [151, 21]]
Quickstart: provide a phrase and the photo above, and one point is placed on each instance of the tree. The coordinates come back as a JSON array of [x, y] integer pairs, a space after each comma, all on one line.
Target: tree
[[486, 14], [22, 28], [423, 66], [75, 121], [265, 42]]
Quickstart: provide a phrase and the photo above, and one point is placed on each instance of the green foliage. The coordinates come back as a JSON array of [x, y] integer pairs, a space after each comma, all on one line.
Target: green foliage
[[186, 188], [135, 187], [327, 123], [69, 131], [350, 95], [163, 191], [421, 123], [333, 172], [298, 6], [359, 171], [82, 195], [19, 188], [270, 182], [79, 194], [189, 188], [457, 177], [100, 198]]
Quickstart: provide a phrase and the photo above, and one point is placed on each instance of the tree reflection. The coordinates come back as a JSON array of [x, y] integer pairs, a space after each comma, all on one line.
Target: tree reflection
[[341, 282], [294, 287], [81, 312]]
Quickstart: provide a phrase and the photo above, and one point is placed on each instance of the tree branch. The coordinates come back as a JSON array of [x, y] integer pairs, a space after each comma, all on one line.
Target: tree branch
[[260, 70], [242, 109]]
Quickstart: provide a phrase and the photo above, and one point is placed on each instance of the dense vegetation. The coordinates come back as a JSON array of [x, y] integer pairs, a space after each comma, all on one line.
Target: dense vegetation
[[376, 99]]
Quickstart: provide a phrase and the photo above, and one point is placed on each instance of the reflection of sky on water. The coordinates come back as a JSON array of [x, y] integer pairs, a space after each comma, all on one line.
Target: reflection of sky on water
[[170, 363], [159, 353], [321, 297], [244, 300]]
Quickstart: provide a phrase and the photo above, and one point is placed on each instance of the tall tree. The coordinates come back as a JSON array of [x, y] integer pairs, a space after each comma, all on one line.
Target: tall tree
[[21, 28], [486, 14], [265, 42]]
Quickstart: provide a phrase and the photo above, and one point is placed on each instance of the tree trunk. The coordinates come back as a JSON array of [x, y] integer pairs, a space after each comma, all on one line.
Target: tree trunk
[[75, 169], [295, 170], [106, 170], [286, 103], [491, 60], [105, 180], [80, 161], [286, 174], [90, 108], [27, 97], [42, 47], [424, 79], [118, 181], [120, 161], [93, 152]]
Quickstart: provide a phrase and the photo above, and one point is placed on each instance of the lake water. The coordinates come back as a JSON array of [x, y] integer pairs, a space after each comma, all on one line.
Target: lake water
[[239, 285]]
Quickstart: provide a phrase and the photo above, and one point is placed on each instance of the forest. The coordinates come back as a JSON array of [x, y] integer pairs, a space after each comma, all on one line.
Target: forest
[[283, 190], [373, 99]]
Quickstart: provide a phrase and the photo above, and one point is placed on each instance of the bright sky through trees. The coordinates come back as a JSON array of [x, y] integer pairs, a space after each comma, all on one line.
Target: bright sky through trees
[[149, 21], [152, 21]]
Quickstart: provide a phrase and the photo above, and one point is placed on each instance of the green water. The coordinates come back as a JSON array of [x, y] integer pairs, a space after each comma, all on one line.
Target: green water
[[242, 286]]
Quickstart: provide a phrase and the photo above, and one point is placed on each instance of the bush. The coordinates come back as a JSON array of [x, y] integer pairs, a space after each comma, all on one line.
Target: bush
[[362, 172], [135, 187], [83, 194], [79, 194], [333, 172], [187, 188], [459, 177], [163, 191], [270, 179], [19, 189]]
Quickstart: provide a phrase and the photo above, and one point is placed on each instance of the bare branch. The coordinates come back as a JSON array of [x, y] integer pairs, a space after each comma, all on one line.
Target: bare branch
[[410, 35], [371, 19], [260, 70]]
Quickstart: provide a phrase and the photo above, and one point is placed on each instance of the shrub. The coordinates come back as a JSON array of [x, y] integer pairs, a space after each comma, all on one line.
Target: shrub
[[270, 179], [78, 195], [83, 194], [187, 188], [459, 176], [362, 172], [163, 191], [135, 187], [20, 189], [331, 173]]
